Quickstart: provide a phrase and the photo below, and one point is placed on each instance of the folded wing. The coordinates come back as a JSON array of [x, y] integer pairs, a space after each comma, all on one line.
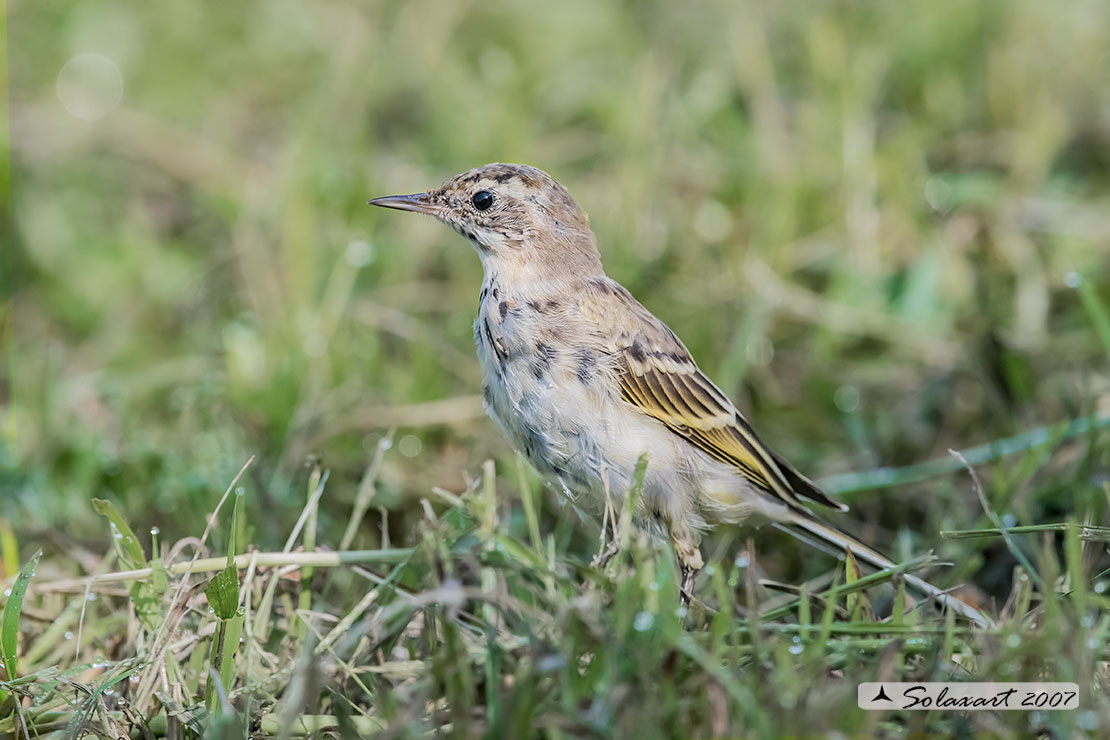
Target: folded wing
[[659, 378]]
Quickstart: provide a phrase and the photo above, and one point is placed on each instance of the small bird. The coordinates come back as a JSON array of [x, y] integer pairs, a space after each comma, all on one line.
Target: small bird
[[584, 380]]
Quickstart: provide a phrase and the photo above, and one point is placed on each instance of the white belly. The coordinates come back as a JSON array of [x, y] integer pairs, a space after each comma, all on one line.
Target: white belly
[[544, 410], [560, 406]]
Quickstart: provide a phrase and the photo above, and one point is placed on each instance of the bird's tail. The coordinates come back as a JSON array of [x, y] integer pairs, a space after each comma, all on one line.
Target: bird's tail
[[842, 541]]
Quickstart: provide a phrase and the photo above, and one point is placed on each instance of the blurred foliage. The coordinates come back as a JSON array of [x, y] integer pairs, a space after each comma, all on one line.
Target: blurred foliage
[[865, 219]]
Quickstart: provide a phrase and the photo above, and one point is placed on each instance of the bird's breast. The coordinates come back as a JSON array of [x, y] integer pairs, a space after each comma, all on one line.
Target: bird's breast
[[544, 388], [554, 390]]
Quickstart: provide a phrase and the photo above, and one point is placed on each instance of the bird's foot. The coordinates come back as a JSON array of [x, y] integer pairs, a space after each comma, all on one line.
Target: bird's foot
[[602, 558], [686, 584], [689, 563]]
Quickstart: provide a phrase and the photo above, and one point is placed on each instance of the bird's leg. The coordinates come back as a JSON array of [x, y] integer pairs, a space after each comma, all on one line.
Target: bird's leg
[[607, 550], [686, 583], [603, 556], [689, 563]]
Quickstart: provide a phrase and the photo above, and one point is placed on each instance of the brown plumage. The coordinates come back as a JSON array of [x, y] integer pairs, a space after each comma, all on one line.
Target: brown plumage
[[584, 380], [659, 377]]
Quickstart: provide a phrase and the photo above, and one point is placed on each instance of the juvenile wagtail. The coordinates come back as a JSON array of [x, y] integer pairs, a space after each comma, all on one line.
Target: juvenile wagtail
[[584, 380]]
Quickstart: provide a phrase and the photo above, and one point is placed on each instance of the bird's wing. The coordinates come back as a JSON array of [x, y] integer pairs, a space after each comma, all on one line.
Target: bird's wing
[[659, 378]]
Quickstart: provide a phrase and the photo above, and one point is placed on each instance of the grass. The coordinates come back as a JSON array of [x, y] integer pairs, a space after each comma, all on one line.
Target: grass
[[880, 228], [486, 625]]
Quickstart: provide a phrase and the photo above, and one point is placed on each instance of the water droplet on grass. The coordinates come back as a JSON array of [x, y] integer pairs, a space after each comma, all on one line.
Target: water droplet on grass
[[68, 635], [643, 621], [743, 560], [154, 531], [1072, 280], [1013, 641]]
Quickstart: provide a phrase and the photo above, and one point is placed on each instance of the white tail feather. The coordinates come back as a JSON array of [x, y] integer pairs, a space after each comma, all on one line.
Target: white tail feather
[[843, 541]]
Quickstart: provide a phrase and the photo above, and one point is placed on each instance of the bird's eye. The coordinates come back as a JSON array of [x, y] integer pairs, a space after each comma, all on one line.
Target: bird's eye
[[482, 200]]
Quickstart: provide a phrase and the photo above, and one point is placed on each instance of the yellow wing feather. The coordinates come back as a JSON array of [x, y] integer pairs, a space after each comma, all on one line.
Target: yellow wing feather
[[658, 376]]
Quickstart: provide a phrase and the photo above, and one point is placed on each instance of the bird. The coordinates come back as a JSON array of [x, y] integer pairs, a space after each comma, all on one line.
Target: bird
[[584, 381]]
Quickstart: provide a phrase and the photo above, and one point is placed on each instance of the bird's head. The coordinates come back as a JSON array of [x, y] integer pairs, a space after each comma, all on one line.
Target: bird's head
[[513, 214]]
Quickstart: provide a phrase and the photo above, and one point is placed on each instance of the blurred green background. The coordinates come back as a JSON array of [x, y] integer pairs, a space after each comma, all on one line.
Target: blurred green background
[[867, 221]]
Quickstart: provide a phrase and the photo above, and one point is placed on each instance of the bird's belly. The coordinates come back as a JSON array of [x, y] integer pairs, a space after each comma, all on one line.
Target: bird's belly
[[578, 432], [578, 435], [545, 420]]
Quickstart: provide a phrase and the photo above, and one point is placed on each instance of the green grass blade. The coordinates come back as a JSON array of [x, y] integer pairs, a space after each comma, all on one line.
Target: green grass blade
[[13, 608], [1083, 531], [93, 701], [1073, 560], [228, 647], [528, 499], [891, 477], [863, 582], [223, 593], [127, 544], [630, 501], [9, 628], [316, 481], [9, 550], [1100, 317]]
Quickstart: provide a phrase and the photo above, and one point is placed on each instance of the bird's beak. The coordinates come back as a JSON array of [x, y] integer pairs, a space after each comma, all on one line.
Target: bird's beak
[[417, 202]]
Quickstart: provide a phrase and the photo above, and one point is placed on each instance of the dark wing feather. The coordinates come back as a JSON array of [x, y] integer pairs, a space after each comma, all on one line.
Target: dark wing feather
[[659, 378]]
